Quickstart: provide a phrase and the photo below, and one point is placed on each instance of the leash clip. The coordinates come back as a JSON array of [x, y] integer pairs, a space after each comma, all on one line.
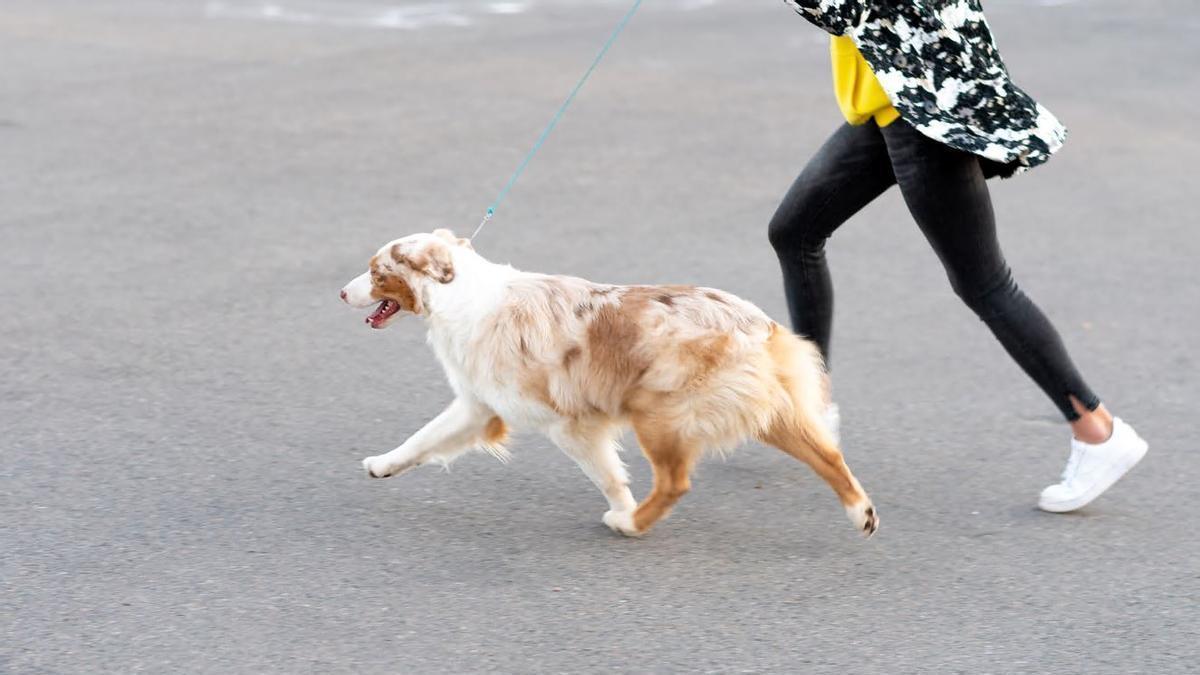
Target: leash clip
[[486, 217]]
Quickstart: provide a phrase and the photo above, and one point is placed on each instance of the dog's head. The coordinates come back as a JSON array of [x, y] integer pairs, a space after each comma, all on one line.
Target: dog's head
[[400, 273]]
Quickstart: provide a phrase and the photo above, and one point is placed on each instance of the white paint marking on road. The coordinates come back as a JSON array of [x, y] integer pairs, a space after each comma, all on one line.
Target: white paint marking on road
[[360, 14], [408, 17], [688, 5], [508, 7]]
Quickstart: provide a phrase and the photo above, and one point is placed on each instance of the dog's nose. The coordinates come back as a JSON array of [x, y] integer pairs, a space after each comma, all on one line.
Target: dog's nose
[[343, 294]]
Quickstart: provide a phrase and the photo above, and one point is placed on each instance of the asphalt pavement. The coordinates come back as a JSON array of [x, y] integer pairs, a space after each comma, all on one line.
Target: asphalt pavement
[[185, 185]]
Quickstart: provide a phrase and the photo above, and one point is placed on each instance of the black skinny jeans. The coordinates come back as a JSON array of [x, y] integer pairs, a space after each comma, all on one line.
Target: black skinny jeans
[[947, 194]]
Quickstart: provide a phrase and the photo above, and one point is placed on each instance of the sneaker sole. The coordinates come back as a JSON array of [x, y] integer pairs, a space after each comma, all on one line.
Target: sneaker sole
[[1097, 489]]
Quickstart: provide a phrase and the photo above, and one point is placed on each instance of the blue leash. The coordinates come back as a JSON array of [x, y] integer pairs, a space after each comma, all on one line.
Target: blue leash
[[557, 116]]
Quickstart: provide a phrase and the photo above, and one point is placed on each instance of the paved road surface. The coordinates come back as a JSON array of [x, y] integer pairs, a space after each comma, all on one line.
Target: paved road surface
[[186, 184]]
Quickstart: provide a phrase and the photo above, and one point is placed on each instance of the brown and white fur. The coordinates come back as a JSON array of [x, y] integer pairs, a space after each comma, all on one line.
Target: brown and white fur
[[692, 370]]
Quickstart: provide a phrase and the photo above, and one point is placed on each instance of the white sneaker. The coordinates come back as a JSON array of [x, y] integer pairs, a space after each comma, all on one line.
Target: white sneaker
[[1092, 469], [833, 422]]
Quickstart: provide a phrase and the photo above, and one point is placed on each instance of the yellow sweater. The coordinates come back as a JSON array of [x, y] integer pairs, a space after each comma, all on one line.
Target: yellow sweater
[[859, 94]]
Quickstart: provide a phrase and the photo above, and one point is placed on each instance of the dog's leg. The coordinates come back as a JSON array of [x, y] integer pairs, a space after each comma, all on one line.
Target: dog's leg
[[817, 450], [595, 450], [672, 458], [462, 425], [799, 430]]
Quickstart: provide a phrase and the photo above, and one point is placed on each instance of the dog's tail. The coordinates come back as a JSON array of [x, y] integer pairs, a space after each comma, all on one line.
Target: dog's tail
[[801, 371]]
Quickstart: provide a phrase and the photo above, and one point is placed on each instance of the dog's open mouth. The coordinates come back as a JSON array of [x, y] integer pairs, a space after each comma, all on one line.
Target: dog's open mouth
[[382, 313]]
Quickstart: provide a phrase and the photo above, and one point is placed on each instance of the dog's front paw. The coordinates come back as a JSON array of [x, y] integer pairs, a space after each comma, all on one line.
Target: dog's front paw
[[377, 467], [621, 522], [381, 467], [864, 516]]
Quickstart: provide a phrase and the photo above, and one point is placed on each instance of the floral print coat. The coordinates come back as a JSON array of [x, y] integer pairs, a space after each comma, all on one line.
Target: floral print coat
[[939, 65]]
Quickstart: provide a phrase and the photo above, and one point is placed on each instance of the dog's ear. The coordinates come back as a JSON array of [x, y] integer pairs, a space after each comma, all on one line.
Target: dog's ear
[[433, 261], [450, 238]]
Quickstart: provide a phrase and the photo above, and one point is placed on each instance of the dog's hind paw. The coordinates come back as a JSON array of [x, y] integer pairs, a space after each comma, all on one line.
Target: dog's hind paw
[[864, 516], [621, 522]]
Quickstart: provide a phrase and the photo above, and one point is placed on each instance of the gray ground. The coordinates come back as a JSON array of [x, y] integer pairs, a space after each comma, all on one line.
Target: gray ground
[[185, 186]]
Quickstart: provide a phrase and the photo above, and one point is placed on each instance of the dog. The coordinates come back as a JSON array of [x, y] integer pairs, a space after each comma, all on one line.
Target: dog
[[691, 369]]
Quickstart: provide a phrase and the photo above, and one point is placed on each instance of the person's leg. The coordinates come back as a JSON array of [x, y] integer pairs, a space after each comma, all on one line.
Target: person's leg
[[850, 170], [946, 192], [948, 196]]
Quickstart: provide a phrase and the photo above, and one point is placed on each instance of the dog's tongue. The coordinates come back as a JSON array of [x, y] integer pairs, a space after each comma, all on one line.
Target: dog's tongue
[[382, 312]]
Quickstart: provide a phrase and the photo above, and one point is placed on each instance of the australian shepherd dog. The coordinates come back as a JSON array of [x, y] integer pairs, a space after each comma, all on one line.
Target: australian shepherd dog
[[692, 370]]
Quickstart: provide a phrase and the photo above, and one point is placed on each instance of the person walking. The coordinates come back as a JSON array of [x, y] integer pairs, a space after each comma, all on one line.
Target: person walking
[[929, 107]]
